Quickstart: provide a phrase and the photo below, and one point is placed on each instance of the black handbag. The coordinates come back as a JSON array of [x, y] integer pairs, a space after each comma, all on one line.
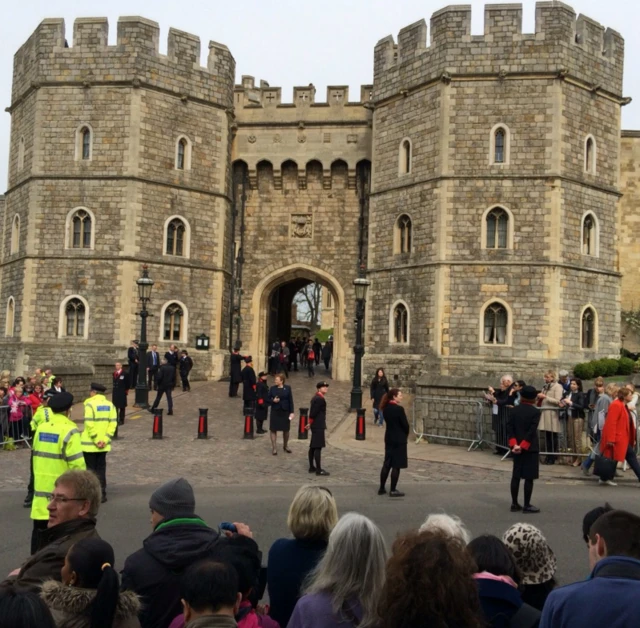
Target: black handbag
[[605, 468]]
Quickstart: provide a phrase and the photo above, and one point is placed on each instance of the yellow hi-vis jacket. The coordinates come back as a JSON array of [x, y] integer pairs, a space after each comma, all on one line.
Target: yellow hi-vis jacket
[[41, 415], [100, 424], [56, 449]]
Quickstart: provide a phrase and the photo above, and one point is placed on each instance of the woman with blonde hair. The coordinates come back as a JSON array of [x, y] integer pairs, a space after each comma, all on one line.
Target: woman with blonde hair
[[312, 516], [345, 588], [549, 397]]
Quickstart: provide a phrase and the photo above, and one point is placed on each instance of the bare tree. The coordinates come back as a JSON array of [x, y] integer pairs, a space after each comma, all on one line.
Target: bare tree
[[310, 300]]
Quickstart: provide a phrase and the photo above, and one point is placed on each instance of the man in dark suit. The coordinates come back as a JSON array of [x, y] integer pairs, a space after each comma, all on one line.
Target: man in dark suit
[[172, 358], [248, 385], [165, 379], [120, 390], [236, 372], [153, 364], [132, 356]]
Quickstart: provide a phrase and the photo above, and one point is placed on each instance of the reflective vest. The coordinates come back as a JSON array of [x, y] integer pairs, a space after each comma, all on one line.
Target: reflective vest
[[41, 415], [100, 424], [56, 449]]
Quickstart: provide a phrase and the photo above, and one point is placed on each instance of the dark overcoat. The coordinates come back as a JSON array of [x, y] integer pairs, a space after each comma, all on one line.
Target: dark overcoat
[[120, 387], [318, 421], [236, 368], [248, 383]]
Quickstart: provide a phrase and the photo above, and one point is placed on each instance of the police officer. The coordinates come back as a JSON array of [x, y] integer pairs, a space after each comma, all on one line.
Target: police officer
[[41, 415], [318, 426], [100, 425], [56, 449], [248, 385]]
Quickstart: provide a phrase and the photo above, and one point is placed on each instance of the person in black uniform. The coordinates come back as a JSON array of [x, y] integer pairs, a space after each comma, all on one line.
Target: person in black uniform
[[281, 402], [317, 350], [165, 379], [236, 372], [153, 364], [172, 358], [185, 365], [522, 434], [262, 402], [248, 386], [318, 427], [395, 441], [120, 389], [132, 356]]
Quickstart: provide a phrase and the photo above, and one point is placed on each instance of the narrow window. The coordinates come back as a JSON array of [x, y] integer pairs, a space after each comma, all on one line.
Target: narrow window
[[81, 230], [588, 328], [495, 324], [403, 234], [400, 324], [11, 312], [15, 235], [86, 143], [21, 154], [172, 322], [182, 150], [497, 228], [175, 237], [499, 146], [589, 156], [589, 235], [75, 313], [405, 157]]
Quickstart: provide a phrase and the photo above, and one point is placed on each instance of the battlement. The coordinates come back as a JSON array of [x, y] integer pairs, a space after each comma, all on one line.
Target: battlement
[[561, 40], [47, 52], [248, 95]]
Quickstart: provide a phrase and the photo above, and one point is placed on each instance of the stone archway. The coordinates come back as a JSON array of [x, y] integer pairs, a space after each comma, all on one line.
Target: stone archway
[[261, 301]]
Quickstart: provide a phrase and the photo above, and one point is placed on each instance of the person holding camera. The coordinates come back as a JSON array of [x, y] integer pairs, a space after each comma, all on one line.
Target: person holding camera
[[501, 401]]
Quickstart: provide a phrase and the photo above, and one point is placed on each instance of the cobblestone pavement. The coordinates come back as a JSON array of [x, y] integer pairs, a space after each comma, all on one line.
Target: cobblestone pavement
[[226, 458]]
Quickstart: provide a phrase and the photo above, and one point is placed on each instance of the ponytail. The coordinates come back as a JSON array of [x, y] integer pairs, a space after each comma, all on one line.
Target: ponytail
[[387, 397], [105, 603]]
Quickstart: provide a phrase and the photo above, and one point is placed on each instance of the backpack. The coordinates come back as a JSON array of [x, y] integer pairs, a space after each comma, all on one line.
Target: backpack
[[311, 355]]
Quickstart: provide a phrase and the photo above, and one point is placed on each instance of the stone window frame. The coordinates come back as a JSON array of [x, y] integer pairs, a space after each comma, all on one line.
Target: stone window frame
[[590, 160], [68, 239], [392, 312], [184, 324], [188, 146], [405, 158], [62, 318], [509, 331], [397, 235], [510, 228], [186, 244], [14, 243], [10, 319], [507, 145], [596, 235], [79, 153], [583, 311], [21, 153]]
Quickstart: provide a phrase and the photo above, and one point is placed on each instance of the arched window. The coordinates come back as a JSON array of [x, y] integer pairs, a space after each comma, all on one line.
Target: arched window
[[175, 237], [21, 154], [400, 324], [183, 153], [496, 324], [74, 313], [11, 315], [172, 322], [497, 229], [15, 235], [404, 166], [81, 230], [84, 143], [403, 235], [590, 235], [588, 329], [499, 148], [590, 155]]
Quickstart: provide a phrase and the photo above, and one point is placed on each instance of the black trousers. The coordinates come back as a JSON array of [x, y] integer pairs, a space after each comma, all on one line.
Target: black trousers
[[185, 381], [121, 413], [163, 391], [233, 389], [133, 375], [96, 461], [30, 486], [152, 377], [38, 526], [326, 363]]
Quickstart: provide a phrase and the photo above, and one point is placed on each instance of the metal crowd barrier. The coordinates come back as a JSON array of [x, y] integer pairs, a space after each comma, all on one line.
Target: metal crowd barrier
[[17, 431], [448, 418]]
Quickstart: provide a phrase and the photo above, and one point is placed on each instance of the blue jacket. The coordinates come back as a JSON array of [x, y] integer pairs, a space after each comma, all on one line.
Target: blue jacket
[[610, 597], [500, 602]]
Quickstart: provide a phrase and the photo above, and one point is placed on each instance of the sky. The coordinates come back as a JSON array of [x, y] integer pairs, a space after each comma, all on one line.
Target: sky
[[287, 43]]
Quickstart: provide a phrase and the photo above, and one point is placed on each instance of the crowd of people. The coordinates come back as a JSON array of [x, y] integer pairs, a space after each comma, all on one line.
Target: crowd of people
[[333, 572]]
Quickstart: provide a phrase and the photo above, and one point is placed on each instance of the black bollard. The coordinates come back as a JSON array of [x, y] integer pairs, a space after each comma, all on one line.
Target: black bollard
[[203, 423], [303, 432], [157, 424], [361, 429]]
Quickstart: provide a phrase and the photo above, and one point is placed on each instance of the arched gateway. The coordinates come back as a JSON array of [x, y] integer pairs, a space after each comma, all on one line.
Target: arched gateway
[[265, 305]]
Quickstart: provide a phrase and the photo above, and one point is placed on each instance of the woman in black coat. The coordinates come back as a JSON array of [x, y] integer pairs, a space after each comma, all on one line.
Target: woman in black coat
[[575, 403], [262, 402], [379, 387], [281, 402], [395, 441]]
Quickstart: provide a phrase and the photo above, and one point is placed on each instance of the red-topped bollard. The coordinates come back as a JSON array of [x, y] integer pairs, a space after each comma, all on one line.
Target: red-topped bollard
[[157, 424], [303, 432], [361, 426], [248, 423], [203, 423]]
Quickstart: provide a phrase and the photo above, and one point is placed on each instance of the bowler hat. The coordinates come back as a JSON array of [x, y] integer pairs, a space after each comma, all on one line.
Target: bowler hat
[[248, 358], [262, 374], [61, 402], [322, 385], [528, 392]]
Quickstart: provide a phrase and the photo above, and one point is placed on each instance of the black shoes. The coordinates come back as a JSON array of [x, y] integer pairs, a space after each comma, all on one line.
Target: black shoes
[[28, 500], [516, 507], [312, 469], [170, 413], [322, 472], [104, 499], [530, 509], [382, 491], [396, 494]]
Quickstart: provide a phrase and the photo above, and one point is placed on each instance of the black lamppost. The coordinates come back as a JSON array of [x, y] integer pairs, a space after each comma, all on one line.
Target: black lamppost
[[361, 284], [145, 283]]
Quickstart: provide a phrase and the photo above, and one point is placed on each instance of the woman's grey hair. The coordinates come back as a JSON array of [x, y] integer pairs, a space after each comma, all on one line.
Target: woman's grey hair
[[449, 524], [353, 567]]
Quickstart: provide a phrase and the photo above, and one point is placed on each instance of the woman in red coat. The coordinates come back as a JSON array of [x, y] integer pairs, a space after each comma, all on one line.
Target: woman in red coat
[[618, 435]]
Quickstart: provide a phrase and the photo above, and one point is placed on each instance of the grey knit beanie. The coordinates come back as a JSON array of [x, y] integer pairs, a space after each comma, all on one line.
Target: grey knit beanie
[[174, 499]]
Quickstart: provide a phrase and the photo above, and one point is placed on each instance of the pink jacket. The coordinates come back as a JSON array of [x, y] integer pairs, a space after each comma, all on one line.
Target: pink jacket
[[250, 620]]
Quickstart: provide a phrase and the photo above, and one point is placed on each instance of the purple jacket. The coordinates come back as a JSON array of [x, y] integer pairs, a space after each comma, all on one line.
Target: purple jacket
[[315, 611]]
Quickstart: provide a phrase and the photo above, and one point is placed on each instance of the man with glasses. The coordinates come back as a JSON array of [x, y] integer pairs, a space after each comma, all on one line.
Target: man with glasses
[[72, 508]]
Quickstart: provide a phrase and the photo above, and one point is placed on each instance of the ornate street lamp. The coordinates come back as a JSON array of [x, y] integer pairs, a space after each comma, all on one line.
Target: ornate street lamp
[[145, 283], [360, 284]]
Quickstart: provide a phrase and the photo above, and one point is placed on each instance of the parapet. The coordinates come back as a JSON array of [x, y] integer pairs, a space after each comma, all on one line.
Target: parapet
[[46, 55], [579, 45]]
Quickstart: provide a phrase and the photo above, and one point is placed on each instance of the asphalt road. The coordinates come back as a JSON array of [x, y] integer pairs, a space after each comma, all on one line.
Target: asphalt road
[[124, 520]]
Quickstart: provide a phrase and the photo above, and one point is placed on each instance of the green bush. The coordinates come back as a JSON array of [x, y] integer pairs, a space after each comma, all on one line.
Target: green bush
[[323, 335], [599, 368], [585, 370], [625, 366], [612, 366]]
